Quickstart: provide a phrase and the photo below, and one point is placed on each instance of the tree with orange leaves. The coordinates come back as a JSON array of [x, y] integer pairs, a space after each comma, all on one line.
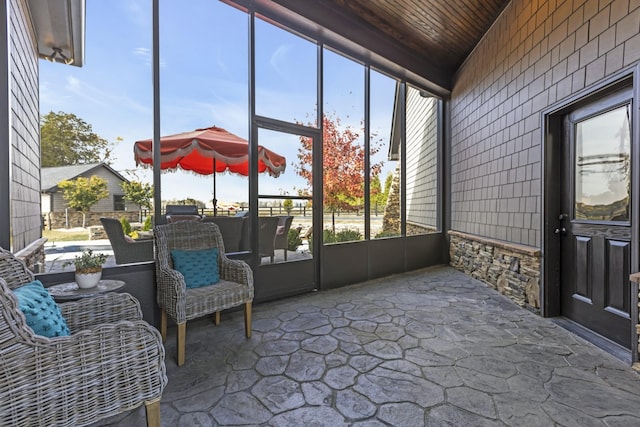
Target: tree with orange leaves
[[343, 166]]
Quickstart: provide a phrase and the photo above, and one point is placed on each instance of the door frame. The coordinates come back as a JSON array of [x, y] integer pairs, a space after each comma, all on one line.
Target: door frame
[[278, 276], [552, 154]]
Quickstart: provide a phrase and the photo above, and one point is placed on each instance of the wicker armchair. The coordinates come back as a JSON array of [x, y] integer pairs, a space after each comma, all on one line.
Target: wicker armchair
[[111, 363], [126, 252], [181, 303]]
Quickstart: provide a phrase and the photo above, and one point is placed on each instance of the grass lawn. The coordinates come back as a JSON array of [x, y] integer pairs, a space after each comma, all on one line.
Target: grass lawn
[[63, 235]]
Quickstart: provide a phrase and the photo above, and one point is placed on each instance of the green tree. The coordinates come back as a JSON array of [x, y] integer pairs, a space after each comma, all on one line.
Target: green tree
[[287, 205], [387, 187], [376, 194], [82, 193], [66, 139], [138, 193]]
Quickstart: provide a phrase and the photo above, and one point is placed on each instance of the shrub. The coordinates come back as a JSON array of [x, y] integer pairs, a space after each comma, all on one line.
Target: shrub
[[328, 236], [147, 224], [126, 227], [345, 235], [348, 235], [293, 239], [387, 233]]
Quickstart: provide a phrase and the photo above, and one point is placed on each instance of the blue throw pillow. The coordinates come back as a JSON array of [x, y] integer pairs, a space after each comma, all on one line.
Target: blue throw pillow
[[41, 311], [199, 267]]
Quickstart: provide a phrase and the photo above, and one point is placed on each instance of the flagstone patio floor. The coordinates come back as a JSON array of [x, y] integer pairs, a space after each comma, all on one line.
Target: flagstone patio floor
[[427, 348]]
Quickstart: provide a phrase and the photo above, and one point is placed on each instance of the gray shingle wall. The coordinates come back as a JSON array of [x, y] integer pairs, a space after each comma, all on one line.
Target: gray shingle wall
[[537, 53], [25, 150], [422, 159]]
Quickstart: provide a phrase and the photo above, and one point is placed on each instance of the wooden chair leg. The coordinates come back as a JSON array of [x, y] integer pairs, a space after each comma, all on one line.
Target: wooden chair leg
[[163, 325], [247, 319], [216, 318], [182, 339], [152, 409]]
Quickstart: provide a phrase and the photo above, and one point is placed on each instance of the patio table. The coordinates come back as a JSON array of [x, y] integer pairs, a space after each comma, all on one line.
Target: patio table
[[70, 291]]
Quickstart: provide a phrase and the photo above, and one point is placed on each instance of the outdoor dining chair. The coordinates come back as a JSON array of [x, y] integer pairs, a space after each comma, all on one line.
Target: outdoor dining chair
[[195, 278], [281, 240], [267, 236], [111, 362]]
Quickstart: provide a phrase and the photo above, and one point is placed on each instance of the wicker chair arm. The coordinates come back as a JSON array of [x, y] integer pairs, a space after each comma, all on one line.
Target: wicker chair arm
[[171, 280], [59, 381], [105, 308], [235, 270]]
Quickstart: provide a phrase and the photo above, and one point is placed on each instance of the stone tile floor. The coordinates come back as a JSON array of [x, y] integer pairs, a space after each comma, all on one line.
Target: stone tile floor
[[427, 348]]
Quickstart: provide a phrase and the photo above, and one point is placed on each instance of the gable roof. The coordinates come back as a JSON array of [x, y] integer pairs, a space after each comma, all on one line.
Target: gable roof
[[50, 177]]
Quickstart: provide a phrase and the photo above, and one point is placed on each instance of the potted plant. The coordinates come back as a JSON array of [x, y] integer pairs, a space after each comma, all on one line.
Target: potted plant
[[88, 268]]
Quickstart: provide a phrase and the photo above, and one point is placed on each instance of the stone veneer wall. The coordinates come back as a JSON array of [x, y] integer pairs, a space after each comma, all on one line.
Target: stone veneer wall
[[33, 255], [56, 220], [511, 269]]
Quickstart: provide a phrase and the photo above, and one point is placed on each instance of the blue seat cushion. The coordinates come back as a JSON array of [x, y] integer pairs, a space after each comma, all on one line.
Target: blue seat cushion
[[41, 311], [199, 267]]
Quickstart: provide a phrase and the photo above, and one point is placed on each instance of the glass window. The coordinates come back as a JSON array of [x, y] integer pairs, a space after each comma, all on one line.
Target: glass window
[[118, 202], [204, 84], [422, 162], [343, 149], [602, 174], [385, 206], [112, 95]]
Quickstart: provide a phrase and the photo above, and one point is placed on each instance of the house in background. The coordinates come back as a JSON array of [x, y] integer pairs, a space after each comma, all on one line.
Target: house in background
[[54, 206]]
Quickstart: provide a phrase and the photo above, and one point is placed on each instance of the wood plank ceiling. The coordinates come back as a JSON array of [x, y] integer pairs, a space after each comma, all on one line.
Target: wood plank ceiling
[[443, 30], [431, 38]]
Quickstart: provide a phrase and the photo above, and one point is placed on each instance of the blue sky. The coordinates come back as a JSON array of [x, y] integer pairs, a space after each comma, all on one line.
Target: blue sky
[[204, 62]]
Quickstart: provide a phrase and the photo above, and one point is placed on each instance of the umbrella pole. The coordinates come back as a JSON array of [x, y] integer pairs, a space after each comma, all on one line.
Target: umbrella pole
[[215, 201]]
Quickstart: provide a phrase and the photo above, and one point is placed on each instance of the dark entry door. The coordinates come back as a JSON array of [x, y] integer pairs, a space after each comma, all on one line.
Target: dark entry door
[[595, 225]]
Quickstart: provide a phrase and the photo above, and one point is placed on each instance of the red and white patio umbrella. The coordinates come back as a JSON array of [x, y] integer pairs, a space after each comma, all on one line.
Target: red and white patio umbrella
[[208, 151]]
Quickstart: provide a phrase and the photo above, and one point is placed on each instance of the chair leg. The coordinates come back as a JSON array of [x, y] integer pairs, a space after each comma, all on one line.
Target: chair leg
[[247, 319], [152, 409], [271, 259], [216, 318], [163, 325], [182, 339], [285, 254]]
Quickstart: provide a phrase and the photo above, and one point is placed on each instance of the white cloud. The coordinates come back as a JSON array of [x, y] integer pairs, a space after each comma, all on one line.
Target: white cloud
[[146, 56], [103, 97], [280, 60]]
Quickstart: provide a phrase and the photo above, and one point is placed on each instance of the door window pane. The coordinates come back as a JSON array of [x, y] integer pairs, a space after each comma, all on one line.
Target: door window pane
[[287, 198], [286, 74], [602, 174]]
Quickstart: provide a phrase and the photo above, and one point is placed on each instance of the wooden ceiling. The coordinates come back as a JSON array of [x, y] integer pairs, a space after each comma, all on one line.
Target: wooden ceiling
[[428, 37], [443, 30]]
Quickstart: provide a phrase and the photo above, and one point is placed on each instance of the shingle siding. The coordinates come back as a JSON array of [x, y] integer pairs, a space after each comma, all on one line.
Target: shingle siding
[[25, 151], [536, 53], [422, 159]]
